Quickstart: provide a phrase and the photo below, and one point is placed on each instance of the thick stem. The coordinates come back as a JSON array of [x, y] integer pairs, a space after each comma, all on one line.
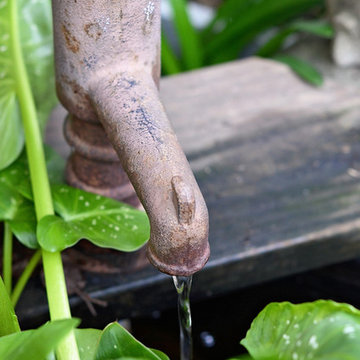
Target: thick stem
[[7, 257], [53, 269], [25, 276]]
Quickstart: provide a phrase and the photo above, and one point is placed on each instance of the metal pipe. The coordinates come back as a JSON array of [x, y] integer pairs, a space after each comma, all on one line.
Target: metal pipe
[[107, 68]]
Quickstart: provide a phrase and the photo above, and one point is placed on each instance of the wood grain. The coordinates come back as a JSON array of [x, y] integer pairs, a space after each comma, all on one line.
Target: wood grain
[[278, 162]]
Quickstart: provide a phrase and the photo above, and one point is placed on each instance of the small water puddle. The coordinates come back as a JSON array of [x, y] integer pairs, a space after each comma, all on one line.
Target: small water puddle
[[183, 287]]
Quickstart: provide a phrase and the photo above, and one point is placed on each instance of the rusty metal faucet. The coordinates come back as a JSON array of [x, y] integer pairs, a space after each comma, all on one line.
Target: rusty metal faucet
[[107, 56]]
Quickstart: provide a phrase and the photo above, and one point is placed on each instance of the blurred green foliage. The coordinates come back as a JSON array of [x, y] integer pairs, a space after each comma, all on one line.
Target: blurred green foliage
[[236, 26]]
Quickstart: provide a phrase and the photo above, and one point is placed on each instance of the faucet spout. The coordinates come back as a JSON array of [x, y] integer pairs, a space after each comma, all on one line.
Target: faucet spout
[[134, 119], [107, 57]]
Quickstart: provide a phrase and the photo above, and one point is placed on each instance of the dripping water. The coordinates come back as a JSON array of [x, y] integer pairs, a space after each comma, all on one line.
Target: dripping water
[[183, 287]]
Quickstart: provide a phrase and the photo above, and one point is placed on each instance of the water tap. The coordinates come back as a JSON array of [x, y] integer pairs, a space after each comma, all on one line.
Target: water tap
[[107, 56]]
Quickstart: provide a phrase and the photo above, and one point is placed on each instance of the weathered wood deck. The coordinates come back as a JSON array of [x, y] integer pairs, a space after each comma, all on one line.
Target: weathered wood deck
[[278, 162]]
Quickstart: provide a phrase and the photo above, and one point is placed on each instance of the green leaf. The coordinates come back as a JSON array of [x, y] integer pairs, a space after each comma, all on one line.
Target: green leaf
[[23, 223], [36, 41], [15, 179], [188, 38], [14, 186], [160, 354], [35, 344], [12, 139], [35, 20], [319, 28], [117, 343], [87, 341], [303, 69], [242, 357], [10, 179], [103, 221], [8, 320], [322, 330]]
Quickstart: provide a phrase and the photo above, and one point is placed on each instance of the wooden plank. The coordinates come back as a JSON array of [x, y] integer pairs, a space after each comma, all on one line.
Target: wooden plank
[[278, 162]]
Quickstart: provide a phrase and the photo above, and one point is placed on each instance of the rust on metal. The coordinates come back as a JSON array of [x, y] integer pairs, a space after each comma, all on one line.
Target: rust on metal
[[113, 78], [71, 42]]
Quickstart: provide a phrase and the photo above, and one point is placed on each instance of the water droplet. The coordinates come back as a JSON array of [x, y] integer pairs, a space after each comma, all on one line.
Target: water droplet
[[87, 204], [287, 339], [313, 342], [81, 197], [3, 48], [93, 222], [348, 329]]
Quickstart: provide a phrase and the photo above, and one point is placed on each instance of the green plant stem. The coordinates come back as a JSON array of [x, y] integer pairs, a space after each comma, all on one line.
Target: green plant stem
[[25, 276], [53, 269], [7, 257]]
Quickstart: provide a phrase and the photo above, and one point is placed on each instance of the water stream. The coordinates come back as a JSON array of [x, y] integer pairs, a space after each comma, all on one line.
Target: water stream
[[183, 287]]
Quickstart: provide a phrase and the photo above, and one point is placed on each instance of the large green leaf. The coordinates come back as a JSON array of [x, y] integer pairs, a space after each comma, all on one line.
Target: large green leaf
[[35, 344], [12, 138], [36, 41], [8, 320], [15, 190], [322, 330], [87, 341], [117, 343], [35, 20], [103, 221]]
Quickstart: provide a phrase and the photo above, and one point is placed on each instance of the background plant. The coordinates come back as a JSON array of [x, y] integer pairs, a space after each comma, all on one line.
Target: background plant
[[245, 27]]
